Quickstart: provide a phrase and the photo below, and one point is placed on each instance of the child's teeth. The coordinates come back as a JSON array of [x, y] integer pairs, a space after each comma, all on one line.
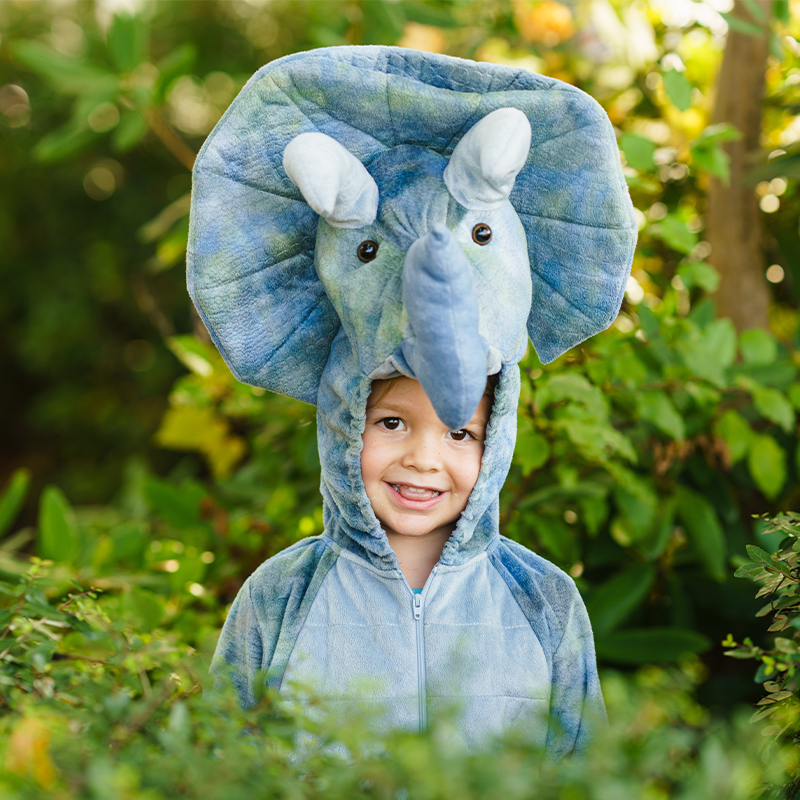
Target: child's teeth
[[414, 492]]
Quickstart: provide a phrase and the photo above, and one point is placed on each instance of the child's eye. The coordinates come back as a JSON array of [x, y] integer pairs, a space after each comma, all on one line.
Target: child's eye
[[461, 434], [392, 423]]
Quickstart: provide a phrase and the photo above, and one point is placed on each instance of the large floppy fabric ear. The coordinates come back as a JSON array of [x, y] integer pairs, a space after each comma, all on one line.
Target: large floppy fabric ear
[[252, 234], [487, 159], [332, 180]]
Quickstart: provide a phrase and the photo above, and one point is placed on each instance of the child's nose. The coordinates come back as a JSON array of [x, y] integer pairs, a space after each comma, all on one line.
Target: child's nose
[[423, 453]]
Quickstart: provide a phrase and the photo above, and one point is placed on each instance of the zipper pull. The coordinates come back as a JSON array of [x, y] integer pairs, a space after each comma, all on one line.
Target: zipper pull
[[417, 606]]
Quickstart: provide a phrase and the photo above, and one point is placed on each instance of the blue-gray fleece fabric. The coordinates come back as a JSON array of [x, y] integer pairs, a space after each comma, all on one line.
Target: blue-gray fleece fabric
[[498, 633]]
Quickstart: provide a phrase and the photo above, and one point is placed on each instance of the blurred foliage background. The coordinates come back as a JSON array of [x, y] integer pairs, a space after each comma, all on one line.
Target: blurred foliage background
[[136, 464]]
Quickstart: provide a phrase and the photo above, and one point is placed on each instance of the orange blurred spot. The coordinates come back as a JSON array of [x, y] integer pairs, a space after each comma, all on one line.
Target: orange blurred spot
[[28, 752], [545, 21], [422, 37]]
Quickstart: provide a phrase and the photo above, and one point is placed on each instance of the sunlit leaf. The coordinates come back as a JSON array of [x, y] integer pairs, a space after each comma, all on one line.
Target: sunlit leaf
[[638, 151], [698, 274], [532, 451], [767, 465], [757, 346], [679, 90], [774, 406], [673, 231], [203, 430]]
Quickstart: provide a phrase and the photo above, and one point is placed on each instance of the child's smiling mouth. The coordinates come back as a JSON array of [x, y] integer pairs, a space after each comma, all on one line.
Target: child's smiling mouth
[[410, 496]]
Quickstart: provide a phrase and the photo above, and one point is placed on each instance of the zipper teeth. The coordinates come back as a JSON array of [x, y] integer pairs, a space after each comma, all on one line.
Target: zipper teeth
[[420, 663]]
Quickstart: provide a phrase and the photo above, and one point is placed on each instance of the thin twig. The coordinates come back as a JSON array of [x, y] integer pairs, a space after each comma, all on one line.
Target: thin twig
[[170, 139]]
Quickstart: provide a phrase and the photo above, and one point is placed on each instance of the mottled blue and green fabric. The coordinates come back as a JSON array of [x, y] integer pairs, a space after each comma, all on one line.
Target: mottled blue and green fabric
[[498, 635], [252, 241]]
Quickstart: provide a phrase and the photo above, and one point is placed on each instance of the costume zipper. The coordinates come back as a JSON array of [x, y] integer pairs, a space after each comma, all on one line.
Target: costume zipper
[[423, 714], [417, 606]]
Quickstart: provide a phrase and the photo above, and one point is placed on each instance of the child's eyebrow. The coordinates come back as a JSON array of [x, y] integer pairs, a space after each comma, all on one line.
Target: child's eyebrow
[[390, 405]]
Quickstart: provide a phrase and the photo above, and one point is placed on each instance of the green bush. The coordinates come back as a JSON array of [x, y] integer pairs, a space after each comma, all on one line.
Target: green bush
[[779, 578], [94, 708]]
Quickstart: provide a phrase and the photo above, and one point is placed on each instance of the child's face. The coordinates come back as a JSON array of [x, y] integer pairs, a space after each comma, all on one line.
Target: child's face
[[417, 473]]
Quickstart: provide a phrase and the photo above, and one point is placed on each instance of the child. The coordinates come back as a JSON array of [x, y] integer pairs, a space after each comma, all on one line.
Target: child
[[386, 294]]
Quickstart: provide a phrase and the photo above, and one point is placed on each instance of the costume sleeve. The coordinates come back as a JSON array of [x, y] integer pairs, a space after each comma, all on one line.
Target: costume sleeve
[[267, 615], [577, 710], [239, 653]]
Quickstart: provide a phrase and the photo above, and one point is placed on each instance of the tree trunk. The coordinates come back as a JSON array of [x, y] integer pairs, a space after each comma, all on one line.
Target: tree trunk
[[734, 223]]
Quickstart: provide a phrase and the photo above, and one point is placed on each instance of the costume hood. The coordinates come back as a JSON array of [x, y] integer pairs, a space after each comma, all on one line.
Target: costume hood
[[368, 212]]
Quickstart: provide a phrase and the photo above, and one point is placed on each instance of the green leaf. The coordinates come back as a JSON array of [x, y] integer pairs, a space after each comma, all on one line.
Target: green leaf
[[13, 497], [780, 10], [65, 142], [758, 347], [200, 358], [130, 131], [657, 408], [594, 511], [574, 388], [734, 430], [556, 538], [751, 571], [707, 153], [126, 41], [758, 555], [67, 74], [793, 393], [736, 24], [179, 506], [709, 354], [679, 90], [172, 66], [147, 608], [640, 646], [58, 528], [698, 274], [672, 231], [532, 451], [756, 12], [767, 465], [612, 602], [638, 151], [774, 406], [720, 338], [704, 530]]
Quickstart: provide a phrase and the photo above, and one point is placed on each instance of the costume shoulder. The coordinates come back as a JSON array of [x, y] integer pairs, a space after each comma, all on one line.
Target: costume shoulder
[[268, 613], [552, 604], [546, 594]]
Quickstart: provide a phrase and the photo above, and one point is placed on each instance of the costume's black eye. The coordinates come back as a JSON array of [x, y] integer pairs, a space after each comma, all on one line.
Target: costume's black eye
[[481, 233], [368, 250]]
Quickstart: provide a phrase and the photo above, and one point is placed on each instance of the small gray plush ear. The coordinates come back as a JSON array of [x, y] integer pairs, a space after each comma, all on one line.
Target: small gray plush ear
[[332, 180], [485, 163]]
